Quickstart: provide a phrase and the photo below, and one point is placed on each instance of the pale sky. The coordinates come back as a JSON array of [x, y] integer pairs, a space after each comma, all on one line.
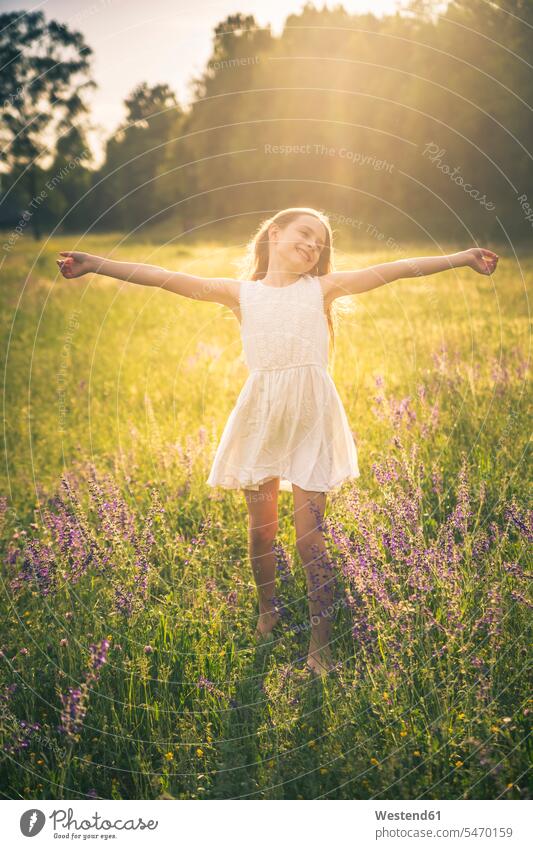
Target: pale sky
[[159, 41]]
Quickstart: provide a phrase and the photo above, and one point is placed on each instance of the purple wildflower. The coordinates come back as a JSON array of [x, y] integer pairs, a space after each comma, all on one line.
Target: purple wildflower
[[205, 684], [282, 562], [521, 519], [462, 512], [75, 701], [99, 654], [231, 598], [38, 566], [73, 712]]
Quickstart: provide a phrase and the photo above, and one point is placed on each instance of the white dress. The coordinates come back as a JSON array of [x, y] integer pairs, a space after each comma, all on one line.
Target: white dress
[[288, 420]]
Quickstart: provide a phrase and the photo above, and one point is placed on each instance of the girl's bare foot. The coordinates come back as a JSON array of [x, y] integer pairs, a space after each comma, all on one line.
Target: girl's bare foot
[[267, 621]]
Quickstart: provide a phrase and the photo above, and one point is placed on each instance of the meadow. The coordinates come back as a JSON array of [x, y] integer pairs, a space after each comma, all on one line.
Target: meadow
[[128, 664]]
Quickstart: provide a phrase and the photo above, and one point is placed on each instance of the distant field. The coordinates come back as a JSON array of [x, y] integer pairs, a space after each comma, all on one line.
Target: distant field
[[115, 397]]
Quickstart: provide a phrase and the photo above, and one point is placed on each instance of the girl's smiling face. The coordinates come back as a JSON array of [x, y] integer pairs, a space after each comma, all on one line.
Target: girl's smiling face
[[299, 244]]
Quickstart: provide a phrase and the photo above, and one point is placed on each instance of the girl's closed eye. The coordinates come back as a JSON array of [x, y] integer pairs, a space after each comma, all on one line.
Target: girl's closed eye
[[316, 246]]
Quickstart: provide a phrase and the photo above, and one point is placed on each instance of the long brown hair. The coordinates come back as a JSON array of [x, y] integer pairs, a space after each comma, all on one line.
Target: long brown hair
[[254, 266]]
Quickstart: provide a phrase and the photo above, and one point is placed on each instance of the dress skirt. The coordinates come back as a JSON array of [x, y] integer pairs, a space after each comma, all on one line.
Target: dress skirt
[[289, 423]]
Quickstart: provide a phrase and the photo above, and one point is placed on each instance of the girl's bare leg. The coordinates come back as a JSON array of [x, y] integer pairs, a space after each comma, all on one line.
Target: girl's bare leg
[[262, 529], [309, 510]]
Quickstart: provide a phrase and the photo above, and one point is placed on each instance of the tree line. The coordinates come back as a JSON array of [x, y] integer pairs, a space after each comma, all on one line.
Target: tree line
[[402, 126]]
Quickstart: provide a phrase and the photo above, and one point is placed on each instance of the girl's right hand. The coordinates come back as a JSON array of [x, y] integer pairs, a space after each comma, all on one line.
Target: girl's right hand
[[75, 264], [482, 260]]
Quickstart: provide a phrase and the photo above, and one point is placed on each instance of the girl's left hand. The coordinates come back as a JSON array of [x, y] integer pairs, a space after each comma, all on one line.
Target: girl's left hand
[[482, 260]]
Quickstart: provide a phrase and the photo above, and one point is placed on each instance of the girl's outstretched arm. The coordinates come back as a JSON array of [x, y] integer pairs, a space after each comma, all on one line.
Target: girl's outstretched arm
[[339, 283], [222, 290]]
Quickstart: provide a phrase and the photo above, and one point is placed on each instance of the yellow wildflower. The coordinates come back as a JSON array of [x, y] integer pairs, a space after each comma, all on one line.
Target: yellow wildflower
[[458, 764], [417, 753], [374, 761], [460, 716], [494, 728], [169, 756], [403, 733], [200, 753], [40, 761]]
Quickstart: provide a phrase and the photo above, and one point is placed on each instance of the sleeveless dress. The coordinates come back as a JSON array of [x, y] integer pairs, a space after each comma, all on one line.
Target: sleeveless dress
[[288, 420]]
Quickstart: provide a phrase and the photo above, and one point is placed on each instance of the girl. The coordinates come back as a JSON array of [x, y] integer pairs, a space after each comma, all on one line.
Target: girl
[[288, 428]]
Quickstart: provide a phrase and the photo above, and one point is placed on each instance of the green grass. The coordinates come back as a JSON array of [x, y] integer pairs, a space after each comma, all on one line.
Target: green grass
[[110, 385]]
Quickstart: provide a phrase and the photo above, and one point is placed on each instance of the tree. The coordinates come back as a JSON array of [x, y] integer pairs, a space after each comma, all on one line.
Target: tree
[[44, 73], [130, 190]]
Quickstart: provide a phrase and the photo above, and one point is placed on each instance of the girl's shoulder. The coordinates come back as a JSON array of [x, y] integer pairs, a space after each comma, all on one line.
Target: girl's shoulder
[[242, 284]]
